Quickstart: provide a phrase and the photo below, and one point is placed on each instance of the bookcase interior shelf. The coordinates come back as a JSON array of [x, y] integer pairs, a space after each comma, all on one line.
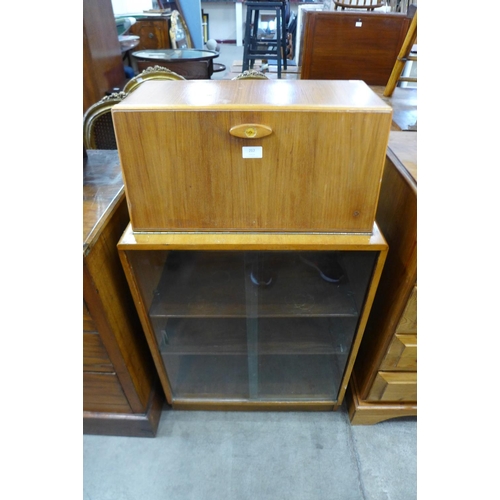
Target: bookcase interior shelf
[[219, 337]]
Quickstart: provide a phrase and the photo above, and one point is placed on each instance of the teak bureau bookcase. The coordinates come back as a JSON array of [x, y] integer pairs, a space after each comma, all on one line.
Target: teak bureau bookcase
[[252, 254]]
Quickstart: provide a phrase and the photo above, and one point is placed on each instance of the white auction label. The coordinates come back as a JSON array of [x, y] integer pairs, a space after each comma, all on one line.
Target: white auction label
[[252, 152]]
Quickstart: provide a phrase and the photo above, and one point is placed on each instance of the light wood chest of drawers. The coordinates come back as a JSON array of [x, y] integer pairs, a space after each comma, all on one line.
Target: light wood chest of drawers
[[384, 380]]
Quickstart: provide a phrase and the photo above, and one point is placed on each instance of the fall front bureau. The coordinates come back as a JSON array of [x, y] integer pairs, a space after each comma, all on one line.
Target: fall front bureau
[[252, 155]]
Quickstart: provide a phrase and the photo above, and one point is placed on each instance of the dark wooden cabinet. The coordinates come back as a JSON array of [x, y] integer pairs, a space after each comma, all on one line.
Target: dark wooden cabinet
[[120, 395], [352, 45], [153, 33]]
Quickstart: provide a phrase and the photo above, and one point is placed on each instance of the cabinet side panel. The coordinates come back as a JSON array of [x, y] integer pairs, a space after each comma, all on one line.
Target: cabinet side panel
[[368, 304], [142, 276], [111, 305]]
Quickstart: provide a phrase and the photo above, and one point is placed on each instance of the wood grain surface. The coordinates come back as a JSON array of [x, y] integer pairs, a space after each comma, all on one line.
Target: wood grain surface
[[319, 170], [352, 45]]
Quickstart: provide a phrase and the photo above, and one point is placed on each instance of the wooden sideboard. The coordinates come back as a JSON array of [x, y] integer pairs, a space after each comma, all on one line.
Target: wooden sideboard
[[384, 380], [121, 393], [352, 45]]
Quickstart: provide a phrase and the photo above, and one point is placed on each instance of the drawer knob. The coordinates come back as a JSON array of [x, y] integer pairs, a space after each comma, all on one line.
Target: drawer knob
[[250, 131]]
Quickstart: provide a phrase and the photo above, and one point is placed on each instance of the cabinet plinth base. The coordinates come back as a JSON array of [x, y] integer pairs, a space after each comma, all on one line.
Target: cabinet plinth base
[[126, 424], [254, 406], [363, 413]]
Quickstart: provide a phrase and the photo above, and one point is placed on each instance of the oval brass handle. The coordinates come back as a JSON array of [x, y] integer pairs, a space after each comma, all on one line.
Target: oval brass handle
[[250, 131]]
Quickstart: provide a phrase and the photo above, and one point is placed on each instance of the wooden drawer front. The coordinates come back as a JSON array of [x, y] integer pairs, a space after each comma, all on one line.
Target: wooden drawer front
[[393, 386], [402, 353], [408, 321], [103, 392], [88, 322], [95, 356]]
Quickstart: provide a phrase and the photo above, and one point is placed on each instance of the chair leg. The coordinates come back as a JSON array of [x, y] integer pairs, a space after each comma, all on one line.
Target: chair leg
[[248, 38], [275, 48], [284, 34], [279, 44]]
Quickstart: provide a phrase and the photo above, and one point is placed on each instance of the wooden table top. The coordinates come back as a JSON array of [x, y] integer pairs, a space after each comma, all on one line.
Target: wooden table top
[[102, 191], [175, 55], [404, 146]]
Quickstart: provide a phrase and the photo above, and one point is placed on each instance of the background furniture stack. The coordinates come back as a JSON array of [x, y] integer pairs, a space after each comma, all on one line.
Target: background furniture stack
[[227, 243]]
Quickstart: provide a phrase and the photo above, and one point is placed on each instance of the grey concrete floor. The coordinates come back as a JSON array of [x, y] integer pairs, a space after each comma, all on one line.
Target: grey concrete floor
[[255, 455], [228, 53]]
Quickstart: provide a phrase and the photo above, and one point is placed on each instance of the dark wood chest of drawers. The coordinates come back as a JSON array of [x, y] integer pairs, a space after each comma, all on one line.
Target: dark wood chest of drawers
[[119, 382], [153, 33]]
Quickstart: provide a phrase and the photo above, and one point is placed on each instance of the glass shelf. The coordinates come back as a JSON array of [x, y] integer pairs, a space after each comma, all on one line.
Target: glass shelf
[[228, 336], [206, 284]]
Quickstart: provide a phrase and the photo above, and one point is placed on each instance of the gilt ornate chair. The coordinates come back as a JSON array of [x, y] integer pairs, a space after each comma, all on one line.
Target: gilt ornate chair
[[98, 131], [151, 73], [251, 74]]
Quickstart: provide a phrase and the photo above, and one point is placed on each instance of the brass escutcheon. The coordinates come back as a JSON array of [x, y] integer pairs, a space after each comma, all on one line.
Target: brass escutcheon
[[251, 132]]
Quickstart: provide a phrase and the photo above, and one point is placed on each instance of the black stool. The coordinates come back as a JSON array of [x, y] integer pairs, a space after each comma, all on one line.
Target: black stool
[[265, 48]]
